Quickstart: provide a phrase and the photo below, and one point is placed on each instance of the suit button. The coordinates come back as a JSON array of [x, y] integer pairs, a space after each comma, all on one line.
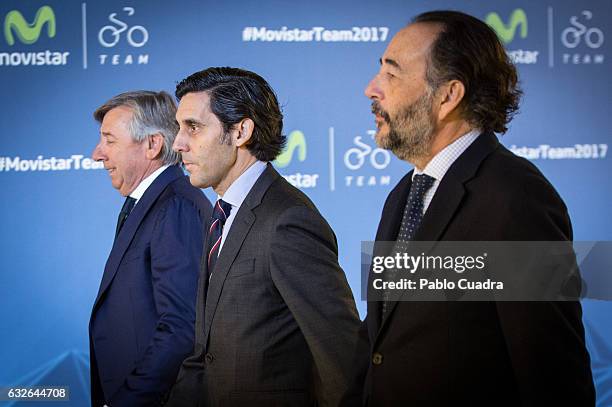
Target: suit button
[[209, 358], [377, 359]]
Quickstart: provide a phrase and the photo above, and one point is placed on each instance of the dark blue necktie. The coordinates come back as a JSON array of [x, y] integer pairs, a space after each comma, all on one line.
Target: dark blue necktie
[[220, 214], [128, 205], [413, 215]]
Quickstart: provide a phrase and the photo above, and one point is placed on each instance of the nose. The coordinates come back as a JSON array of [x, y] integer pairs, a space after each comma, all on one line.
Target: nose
[[373, 91], [98, 153], [180, 145]]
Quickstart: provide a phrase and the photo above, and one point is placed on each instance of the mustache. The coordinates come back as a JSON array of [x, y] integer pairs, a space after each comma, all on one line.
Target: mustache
[[379, 111]]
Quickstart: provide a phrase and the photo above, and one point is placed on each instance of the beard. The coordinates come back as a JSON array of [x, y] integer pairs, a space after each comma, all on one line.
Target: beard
[[411, 131]]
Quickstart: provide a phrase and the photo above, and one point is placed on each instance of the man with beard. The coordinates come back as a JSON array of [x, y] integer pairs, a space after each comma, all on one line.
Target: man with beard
[[444, 88]]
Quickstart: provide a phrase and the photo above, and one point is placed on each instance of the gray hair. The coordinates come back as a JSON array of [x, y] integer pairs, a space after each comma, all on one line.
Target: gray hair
[[152, 113]]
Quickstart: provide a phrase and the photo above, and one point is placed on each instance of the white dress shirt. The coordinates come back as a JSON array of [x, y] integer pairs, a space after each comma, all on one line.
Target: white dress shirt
[[236, 193], [146, 183], [441, 162]]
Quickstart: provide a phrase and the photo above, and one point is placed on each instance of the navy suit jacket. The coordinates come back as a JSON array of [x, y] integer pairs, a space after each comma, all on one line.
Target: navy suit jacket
[[142, 322]]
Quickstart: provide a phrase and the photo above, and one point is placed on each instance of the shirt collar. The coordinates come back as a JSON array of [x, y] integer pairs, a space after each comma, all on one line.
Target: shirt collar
[[237, 192], [146, 183], [441, 162]]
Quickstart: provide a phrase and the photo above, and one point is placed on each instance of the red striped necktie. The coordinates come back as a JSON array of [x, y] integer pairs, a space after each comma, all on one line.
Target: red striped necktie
[[220, 214]]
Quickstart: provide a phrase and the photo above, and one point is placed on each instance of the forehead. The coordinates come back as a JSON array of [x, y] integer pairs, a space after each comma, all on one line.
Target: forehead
[[194, 105], [115, 118], [411, 45]]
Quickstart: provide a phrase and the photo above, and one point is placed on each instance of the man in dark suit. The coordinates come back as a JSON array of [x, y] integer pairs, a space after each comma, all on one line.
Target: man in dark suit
[[142, 322], [445, 86], [276, 321]]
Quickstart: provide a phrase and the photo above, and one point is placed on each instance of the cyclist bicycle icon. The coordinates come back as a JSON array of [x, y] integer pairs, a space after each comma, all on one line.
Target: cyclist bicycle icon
[[109, 35], [355, 157], [571, 36]]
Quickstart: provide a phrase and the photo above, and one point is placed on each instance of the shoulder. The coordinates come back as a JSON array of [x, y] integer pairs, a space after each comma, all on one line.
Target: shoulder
[[516, 177], [282, 196], [180, 202], [525, 203], [180, 192], [286, 206]]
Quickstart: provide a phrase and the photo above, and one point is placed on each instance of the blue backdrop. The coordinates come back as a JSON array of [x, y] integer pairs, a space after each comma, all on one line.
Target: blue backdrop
[[59, 60]]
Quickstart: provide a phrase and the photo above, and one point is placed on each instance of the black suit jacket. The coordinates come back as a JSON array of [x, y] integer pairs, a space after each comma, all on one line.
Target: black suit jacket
[[278, 325], [142, 322], [480, 353]]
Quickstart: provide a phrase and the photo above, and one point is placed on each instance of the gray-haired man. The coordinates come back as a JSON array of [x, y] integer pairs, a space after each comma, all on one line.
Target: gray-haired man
[[142, 322]]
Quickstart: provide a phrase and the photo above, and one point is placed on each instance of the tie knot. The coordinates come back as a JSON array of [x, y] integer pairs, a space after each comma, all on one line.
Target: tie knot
[[420, 185], [222, 211], [128, 205]]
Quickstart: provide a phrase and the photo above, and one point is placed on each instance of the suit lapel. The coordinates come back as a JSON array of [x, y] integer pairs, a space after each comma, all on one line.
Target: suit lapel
[[239, 230], [451, 191], [201, 296], [124, 239], [445, 203], [394, 211], [446, 200], [388, 229]]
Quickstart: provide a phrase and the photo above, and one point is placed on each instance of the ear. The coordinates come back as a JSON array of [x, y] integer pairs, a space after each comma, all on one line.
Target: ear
[[450, 96], [154, 146], [242, 132]]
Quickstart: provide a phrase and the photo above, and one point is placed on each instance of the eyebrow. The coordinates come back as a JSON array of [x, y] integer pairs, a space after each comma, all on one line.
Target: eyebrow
[[391, 62], [190, 122], [107, 134]]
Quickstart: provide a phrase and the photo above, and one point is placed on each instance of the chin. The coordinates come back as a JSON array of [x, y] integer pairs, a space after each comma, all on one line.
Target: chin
[[197, 182], [382, 139]]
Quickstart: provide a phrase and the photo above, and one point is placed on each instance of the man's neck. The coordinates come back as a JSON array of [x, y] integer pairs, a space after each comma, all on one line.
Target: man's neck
[[154, 167], [243, 163], [445, 136]]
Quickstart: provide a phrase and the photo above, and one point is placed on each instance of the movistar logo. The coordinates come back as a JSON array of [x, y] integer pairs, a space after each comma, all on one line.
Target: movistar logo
[[28, 33], [506, 31], [296, 140]]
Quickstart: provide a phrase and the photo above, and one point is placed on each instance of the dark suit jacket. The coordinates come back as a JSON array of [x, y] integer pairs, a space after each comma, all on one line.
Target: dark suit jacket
[[485, 353], [142, 323], [280, 322]]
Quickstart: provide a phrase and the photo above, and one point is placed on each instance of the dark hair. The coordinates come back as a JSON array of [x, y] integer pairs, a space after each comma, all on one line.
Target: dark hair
[[468, 50], [236, 94], [152, 112]]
